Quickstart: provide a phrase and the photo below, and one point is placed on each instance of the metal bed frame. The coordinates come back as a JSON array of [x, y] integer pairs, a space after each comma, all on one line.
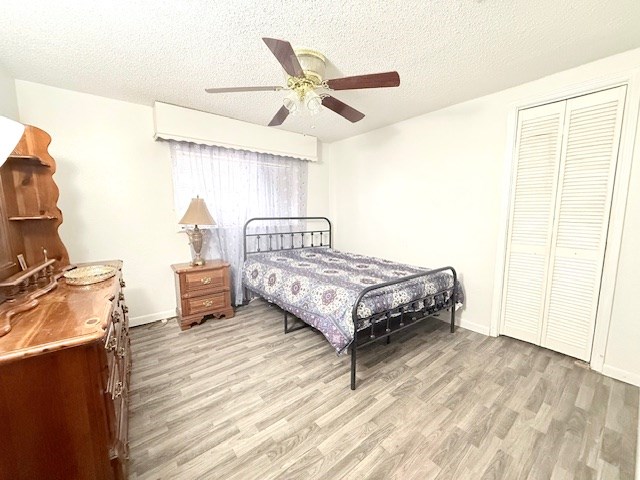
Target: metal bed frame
[[368, 329]]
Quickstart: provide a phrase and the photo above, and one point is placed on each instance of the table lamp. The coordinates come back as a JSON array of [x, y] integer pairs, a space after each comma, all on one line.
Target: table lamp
[[196, 214], [10, 134]]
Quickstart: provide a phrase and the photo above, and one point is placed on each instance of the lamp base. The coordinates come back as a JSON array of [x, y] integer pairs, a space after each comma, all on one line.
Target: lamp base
[[195, 238], [198, 262]]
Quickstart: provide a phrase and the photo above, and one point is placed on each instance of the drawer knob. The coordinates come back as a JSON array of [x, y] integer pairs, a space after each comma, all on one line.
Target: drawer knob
[[205, 280], [117, 391], [111, 344], [207, 303]]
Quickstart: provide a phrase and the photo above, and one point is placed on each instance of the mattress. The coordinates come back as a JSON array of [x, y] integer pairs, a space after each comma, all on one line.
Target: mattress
[[320, 286]]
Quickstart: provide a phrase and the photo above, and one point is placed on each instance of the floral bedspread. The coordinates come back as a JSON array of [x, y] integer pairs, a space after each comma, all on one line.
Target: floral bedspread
[[320, 286]]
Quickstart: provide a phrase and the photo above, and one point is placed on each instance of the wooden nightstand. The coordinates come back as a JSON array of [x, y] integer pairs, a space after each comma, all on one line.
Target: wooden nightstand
[[202, 291]]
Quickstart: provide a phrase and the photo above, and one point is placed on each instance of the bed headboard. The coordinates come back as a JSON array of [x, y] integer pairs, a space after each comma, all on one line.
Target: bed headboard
[[271, 234]]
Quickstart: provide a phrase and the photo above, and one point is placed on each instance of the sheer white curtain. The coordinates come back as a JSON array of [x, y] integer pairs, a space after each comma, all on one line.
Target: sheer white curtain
[[236, 185]]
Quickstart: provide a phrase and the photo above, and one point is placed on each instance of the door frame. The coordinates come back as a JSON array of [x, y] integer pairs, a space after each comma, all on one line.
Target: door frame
[[630, 78]]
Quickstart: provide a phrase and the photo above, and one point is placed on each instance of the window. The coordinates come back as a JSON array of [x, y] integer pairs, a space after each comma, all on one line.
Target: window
[[236, 185]]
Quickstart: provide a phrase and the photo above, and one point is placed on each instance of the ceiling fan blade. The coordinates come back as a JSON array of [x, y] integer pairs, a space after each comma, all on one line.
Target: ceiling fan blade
[[283, 51], [243, 89], [373, 80], [342, 108], [279, 117]]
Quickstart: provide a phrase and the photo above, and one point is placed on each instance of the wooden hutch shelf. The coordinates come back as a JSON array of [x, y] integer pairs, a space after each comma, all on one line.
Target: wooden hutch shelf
[[21, 277], [28, 158], [32, 217], [29, 214]]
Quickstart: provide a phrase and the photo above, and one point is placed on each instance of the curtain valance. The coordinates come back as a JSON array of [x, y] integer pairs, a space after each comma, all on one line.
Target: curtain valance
[[183, 124]]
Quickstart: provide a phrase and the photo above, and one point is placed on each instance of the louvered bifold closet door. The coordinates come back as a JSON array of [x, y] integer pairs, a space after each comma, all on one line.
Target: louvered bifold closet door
[[537, 154], [587, 169]]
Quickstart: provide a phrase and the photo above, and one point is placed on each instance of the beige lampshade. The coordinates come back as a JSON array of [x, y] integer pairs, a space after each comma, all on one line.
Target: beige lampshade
[[197, 214]]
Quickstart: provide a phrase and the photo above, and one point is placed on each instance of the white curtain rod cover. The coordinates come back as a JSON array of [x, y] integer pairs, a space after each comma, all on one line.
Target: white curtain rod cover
[[186, 125]]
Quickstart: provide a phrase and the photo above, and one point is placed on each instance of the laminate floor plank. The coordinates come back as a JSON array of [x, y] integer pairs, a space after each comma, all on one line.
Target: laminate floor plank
[[238, 399]]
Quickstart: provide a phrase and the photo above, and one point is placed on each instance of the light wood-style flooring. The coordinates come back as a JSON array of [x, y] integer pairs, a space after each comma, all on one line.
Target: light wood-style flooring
[[239, 399]]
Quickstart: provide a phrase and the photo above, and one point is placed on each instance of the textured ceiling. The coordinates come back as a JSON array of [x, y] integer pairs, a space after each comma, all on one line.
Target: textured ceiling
[[446, 51]]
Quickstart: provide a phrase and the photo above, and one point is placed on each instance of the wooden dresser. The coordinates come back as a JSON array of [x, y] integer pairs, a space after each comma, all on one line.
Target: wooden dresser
[[202, 291], [64, 378]]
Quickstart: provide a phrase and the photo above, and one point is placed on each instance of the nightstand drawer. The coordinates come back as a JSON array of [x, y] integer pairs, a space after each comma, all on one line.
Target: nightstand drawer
[[207, 303], [207, 279]]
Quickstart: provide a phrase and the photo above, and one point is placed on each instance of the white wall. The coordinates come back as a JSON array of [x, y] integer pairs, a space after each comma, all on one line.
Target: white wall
[[319, 198], [8, 101], [429, 191], [622, 359], [115, 189]]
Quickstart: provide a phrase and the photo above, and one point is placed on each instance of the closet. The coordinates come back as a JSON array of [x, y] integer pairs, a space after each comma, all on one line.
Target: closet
[[564, 168]]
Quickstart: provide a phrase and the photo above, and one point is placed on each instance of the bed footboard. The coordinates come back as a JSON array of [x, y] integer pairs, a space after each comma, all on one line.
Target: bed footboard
[[383, 324]]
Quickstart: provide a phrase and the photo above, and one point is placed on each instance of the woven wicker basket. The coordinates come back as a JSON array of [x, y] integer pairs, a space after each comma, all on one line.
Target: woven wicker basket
[[89, 275]]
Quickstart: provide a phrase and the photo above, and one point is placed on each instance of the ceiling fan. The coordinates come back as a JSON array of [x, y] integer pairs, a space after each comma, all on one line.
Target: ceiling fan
[[305, 75]]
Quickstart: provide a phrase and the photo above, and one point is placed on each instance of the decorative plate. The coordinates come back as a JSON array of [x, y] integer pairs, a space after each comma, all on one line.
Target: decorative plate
[[89, 274]]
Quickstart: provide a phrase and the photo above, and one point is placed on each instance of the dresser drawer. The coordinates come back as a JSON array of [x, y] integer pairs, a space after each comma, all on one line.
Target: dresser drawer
[[206, 303], [204, 280]]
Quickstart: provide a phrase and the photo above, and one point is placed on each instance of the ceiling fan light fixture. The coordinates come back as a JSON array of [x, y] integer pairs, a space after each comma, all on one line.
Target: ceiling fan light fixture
[[305, 71], [291, 102], [313, 102]]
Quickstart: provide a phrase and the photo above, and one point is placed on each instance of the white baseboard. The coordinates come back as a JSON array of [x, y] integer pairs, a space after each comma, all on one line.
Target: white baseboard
[[475, 327], [467, 324], [622, 375], [152, 317]]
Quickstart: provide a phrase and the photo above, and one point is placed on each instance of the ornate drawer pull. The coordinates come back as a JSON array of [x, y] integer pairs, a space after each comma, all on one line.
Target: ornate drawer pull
[[207, 303], [205, 280], [111, 344], [118, 390]]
